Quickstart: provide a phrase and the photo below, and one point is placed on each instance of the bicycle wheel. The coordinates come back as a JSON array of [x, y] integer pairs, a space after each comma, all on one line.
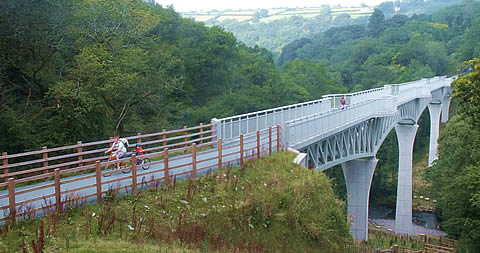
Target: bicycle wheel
[[124, 165], [145, 163], [109, 168]]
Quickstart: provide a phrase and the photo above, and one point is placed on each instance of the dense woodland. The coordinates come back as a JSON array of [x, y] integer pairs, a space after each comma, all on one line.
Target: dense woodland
[[455, 177], [85, 70]]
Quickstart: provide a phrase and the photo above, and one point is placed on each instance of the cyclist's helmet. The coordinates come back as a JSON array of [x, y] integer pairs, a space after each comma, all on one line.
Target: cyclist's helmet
[[138, 145]]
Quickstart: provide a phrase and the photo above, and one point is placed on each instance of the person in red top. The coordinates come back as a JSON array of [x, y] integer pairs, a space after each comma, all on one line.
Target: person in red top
[[343, 102], [138, 151]]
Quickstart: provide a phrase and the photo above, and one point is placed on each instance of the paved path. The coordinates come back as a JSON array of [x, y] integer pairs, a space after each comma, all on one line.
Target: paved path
[[180, 163]]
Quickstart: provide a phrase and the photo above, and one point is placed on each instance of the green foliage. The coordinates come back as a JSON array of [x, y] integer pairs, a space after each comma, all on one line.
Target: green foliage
[[94, 69], [455, 177], [394, 50], [376, 23], [467, 88]]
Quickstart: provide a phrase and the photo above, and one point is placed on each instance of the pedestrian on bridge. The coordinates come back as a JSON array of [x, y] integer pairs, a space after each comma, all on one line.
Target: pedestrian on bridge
[[343, 102]]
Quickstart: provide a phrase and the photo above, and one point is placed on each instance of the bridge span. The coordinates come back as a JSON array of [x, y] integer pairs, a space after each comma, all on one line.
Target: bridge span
[[331, 134], [327, 132]]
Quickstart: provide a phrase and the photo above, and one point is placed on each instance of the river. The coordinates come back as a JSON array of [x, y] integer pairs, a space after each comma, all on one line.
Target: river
[[423, 222]]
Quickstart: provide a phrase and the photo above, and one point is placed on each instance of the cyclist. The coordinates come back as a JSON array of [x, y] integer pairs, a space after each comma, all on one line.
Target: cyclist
[[120, 149], [138, 151]]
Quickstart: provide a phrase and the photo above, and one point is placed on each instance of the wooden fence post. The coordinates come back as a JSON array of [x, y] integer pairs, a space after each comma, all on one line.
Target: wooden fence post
[[5, 165], [395, 248], [45, 162], [139, 139], [79, 151], [133, 163], [258, 144], [194, 160], [11, 200], [270, 141], [185, 139], [165, 167], [219, 154], [98, 171], [278, 138], [201, 133], [58, 193], [164, 137], [211, 129], [241, 150]]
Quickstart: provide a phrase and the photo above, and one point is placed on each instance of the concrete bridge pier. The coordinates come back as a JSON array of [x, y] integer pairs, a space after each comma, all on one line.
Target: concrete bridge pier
[[358, 178], [403, 217], [445, 108], [435, 108]]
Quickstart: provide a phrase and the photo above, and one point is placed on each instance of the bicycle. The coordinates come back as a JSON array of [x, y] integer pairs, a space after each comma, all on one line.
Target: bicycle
[[144, 163], [113, 166]]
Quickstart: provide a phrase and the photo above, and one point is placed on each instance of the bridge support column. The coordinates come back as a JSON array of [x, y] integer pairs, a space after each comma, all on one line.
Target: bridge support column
[[435, 109], [445, 109], [358, 178], [403, 216]]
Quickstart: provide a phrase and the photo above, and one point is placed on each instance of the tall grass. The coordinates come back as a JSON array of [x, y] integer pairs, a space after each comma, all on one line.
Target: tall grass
[[269, 205]]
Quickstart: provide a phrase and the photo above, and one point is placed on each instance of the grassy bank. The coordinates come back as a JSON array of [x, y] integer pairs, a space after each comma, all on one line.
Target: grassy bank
[[269, 205]]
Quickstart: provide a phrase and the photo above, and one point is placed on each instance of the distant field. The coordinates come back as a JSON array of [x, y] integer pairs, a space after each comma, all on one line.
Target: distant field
[[276, 17], [202, 18], [275, 11], [239, 13], [276, 14], [302, 11], [238, 18]]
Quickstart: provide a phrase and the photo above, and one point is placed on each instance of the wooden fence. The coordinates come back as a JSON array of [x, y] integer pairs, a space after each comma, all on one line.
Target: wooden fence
[[161, 148], [40, 164]]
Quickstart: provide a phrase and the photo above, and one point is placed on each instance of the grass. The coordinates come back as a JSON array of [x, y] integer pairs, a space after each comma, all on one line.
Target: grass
[[421, 188], [269, 205], [385, 240]]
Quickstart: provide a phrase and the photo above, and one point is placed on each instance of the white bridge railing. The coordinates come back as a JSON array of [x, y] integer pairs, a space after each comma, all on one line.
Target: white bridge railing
[[232, 127], [324, 124], [325, 112]]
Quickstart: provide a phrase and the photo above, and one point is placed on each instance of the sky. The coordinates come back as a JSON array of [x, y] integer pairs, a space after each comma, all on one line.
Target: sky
[[195, 5]]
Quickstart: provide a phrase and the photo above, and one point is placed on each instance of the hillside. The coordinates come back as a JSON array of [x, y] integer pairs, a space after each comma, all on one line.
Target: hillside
[[271, 205], [274, 28]]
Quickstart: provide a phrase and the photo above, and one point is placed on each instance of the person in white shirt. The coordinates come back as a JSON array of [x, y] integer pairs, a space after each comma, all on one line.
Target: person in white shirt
[[118, 148]]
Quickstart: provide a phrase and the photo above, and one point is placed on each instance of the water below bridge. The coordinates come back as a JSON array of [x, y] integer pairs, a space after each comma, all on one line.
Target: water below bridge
[[423, 222]]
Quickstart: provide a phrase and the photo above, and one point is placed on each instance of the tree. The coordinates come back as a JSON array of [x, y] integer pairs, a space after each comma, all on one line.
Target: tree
[[289, 52], [470, 46], [467, 88], [455, 176], [312, 77], [376, 23], [388, 8], [397, 20]]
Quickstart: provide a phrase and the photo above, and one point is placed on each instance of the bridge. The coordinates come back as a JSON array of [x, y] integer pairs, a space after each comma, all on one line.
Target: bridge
[[326, 132]]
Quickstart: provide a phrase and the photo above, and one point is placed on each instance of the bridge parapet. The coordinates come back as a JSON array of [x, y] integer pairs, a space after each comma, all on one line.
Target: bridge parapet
[[358, 97], [232, 127], [307, 130]]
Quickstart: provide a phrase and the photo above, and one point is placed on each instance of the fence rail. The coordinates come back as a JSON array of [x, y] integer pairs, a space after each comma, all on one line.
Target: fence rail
[[55, 197], [40, 162]]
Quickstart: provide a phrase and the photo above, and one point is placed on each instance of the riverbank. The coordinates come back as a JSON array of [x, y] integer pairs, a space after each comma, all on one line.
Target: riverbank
[[383, 218]]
